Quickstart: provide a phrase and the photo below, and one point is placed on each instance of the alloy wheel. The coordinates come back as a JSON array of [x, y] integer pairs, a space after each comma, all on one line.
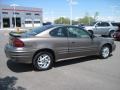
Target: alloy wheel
[[105, 52], [43, 61]]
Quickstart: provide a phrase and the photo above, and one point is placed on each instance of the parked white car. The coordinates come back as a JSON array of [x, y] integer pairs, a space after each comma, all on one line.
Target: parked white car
[[103, 28]]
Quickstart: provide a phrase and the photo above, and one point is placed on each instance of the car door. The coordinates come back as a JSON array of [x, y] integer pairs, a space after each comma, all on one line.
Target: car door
[[60, 42], [106, 28], [102, 28], [80, 42]]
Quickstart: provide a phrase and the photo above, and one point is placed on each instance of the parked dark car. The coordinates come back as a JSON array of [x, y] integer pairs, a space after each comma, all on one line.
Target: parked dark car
[[51, 43], [81, 26], [47, 23], [117, 34]]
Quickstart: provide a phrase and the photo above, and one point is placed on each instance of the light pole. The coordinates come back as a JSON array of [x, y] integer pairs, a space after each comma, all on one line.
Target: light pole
[[71, 3], [14, 15]]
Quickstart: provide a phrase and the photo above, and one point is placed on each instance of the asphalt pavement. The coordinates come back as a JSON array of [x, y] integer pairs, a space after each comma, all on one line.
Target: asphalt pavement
[[88, 73]]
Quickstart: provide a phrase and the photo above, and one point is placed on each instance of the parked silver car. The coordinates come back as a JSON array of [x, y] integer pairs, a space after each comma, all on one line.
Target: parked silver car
[[47, 44], [103, 28]]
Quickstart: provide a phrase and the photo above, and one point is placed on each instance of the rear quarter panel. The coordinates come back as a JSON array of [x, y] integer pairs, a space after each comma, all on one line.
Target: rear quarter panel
[[58, 45]]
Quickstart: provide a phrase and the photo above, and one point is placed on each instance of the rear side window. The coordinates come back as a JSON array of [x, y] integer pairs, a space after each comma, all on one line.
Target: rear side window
[[59, 32], [115, 24], [38, 30]]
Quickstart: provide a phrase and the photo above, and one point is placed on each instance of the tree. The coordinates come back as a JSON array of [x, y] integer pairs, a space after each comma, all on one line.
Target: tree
[[75, 22], [62, 20], [87, 20]]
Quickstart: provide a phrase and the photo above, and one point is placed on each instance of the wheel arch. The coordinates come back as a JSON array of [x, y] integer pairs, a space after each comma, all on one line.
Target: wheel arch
[[45, 50], [111, 31], [107, 44], [91, 31]]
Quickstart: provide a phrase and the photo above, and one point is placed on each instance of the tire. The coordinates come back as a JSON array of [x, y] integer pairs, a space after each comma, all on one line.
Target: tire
[[105, 52], [111, 33], [43, 61]]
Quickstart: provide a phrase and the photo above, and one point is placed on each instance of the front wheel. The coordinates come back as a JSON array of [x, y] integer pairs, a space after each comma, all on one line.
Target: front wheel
[[111, 33], [43, 61], [105, 52]]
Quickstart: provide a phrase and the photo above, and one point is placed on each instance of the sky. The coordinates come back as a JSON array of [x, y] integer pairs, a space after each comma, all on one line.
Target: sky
[[109, 9]]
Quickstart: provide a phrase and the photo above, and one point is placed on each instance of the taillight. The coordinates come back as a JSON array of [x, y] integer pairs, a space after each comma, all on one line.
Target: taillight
[[17, 42]]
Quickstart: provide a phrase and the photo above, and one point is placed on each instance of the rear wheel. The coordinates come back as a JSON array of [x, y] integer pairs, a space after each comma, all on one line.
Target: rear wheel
[[105, 52], [43, 61]]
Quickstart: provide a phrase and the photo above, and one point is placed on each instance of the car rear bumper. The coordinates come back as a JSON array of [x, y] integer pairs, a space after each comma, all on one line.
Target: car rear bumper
[[18, 55]]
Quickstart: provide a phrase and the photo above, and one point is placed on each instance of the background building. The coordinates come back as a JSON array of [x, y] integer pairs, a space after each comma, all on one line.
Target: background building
[[18, 16]]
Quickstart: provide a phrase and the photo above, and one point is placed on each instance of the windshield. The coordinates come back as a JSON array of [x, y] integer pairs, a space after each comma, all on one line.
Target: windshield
[[36, 31]]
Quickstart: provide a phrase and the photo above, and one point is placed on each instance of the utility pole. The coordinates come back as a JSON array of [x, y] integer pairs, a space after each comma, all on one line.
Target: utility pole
[[71, 3]]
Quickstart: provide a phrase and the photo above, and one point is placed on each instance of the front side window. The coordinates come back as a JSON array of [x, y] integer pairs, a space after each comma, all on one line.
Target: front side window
[[75, 32], [59, 32], [105, 24]]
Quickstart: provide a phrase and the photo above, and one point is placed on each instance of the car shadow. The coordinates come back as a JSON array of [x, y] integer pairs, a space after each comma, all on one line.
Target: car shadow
[[19, 67], [75, 61], [9, 83]]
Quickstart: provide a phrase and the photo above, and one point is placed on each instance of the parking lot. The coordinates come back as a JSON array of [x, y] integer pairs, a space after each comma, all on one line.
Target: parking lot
[[88, 73]]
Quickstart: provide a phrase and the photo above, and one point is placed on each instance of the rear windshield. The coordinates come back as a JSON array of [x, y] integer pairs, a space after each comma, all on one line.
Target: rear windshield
[[38, 30], [115, 24]]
